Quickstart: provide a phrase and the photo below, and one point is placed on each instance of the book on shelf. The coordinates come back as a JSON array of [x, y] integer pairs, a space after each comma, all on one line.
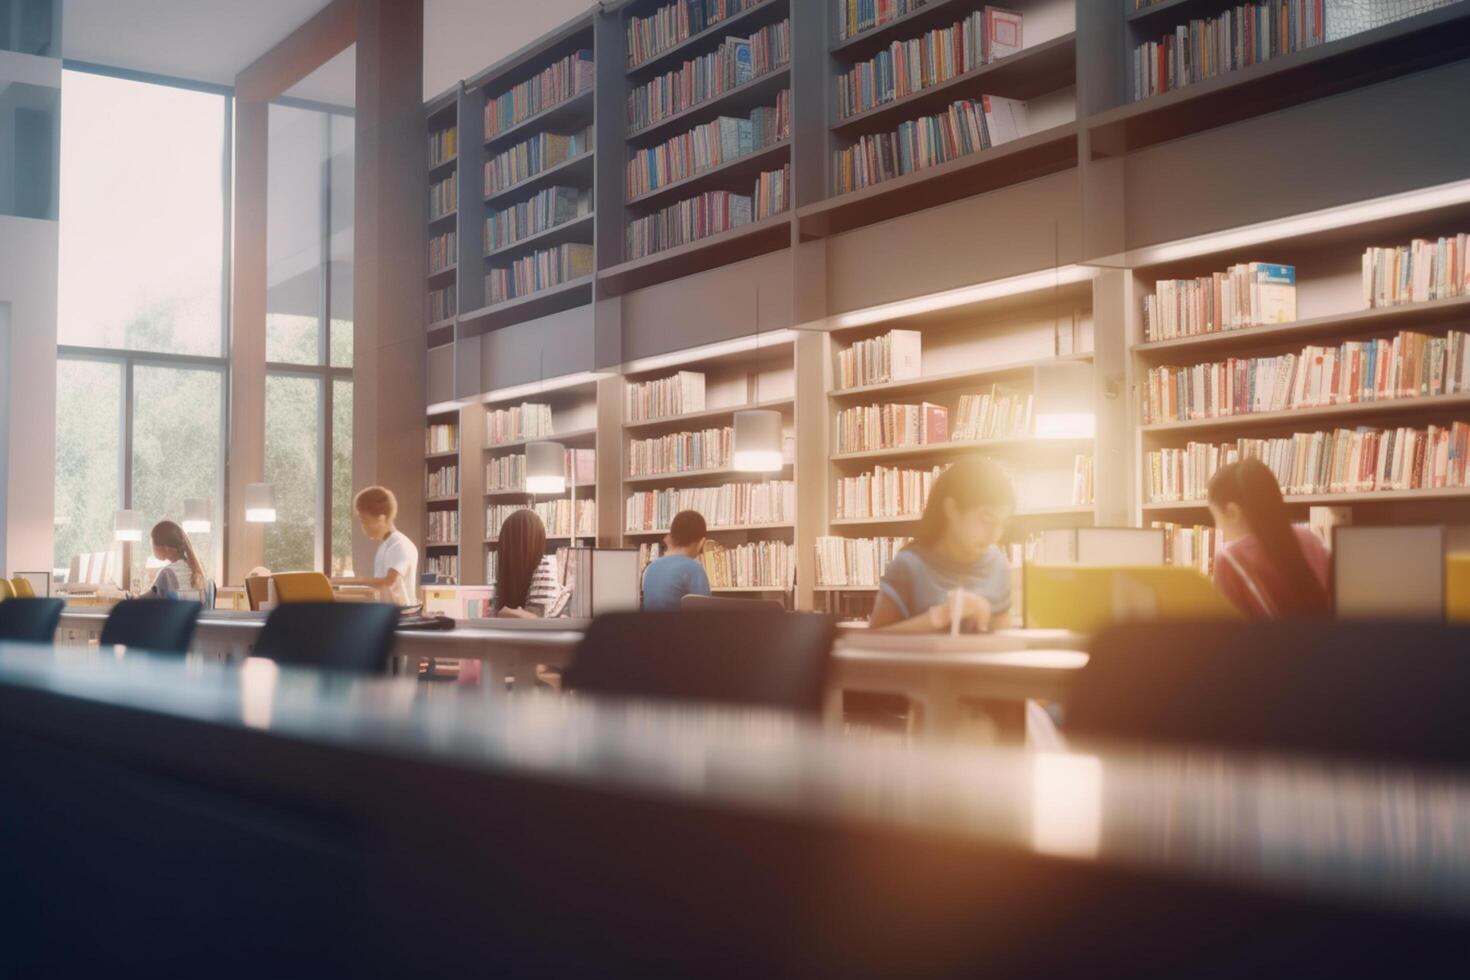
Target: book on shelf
[[671, 25], [885, 491], [1084, 490], [442, 527], [540, 270], [866, 428], [681, 452], [548, 208], [895, 356], [700, 79], [856, 17], [678, 394], [1190, 546], [709, 214], [1423, 270], [1004, 33], [508, 473], [443, 251], [530, 157], [446, 567], [443, 145], [442, 437], [1249, 294], [554, 85], [443, 196], [1240, 36], [443, 303], [442, 481], [918, 144], [528, 420], [753, 565], [772, 194], [713, 144], [728, 505], [855, 562], [556, 515], [1363, 460], [1408, 365], [995, 414]]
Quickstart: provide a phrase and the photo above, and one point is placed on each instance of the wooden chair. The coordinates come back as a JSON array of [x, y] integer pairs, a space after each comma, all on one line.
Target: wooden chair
[[303, 587]]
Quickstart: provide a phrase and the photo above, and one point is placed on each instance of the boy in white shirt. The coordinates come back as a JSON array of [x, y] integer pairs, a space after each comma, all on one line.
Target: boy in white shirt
[[396, 564]]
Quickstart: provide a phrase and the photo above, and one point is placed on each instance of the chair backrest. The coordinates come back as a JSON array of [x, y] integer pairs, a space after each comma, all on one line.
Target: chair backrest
[[7, 591], [257, 591], [763, 658], [1365, 689], [1388, 572], [349, 636], [303, 587], [30, 620], [22, 588], [706, 603], [1089, 599], [160, 625]]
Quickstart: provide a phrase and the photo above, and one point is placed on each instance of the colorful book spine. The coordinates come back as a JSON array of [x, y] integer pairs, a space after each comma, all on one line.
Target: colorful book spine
[[538, 271], [1243, 35], [566, 79], [738, 61]]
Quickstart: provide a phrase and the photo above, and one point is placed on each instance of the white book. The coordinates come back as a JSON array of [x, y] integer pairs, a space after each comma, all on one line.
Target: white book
[[1005, 119], [906, 354]]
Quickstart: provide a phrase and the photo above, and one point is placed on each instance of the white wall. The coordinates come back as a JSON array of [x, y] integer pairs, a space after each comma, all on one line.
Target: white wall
[[463, 37]]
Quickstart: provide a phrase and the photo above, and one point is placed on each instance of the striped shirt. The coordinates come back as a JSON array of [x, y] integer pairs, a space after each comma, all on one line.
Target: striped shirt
[[176, 581], [546, 596]]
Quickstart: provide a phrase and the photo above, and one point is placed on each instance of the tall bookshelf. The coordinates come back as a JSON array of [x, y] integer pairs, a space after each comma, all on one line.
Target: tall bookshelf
[[443, 479], [444, 166], [761, 377]]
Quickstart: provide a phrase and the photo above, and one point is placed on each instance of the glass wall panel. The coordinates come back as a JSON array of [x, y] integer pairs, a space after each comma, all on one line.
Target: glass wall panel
[[31, 27], [29, 142], [343, 518], [293, 466], [89, 458]]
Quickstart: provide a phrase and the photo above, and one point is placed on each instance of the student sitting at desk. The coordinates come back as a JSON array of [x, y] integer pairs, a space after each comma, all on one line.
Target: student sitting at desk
[[678, 572], [526, 585], [1267, 567], [954, 548], [183, 577], [396, 564]]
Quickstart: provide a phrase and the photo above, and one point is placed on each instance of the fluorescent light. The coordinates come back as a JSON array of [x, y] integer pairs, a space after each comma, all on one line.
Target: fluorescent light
[[536, 387], [260, 504], [197, 516], [738, 345], [127, 526], [546, 467], [1033, 282], [756, 446]]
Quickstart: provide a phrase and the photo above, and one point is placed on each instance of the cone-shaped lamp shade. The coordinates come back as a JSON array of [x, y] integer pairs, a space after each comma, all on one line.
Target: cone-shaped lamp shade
[[546, 467], [757, 444], [197, 519], [128, 525], [260, 504]]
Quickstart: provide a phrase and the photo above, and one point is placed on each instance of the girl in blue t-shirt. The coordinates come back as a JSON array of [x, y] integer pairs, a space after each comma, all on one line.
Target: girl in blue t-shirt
[[953, 548]]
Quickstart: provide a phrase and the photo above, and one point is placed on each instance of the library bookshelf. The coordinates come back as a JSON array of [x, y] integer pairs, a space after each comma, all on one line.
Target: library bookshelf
[[443, 482]]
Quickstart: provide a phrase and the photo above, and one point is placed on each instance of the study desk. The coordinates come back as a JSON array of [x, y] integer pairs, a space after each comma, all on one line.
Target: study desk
[[274, 821]]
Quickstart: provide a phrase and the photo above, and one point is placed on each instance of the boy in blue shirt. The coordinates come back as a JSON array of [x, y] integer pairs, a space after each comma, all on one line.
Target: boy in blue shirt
[[678, 573]]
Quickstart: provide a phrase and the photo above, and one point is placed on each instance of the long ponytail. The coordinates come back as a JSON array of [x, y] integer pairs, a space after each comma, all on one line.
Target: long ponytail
[[1250, 485], [167, 534]]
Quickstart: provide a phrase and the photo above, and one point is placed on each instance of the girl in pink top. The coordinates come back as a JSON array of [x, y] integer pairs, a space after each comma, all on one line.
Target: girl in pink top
[[1267, 567]]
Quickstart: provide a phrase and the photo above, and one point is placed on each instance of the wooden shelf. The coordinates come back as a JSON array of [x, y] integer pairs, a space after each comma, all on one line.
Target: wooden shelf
[[444, 273], [675, 421], [441, 324], [443, 165], [1034, 155], [578, 292], [573, 108], [541, 496], [446, 216], [736, 101], [1363, 497], [1030, 72], [567, 231], [953, 448], [715, 529], [865, 44], [766, 235], [1068, 511], [1354, 324], [845, 588], [675, 53], [954, 379], [553, 537], [1409, 45], [578, 167], [747, 167], [446, 455], [576, 435], [687, 475], [1305, 416], [442, 500], [751, 589], [441, 544]]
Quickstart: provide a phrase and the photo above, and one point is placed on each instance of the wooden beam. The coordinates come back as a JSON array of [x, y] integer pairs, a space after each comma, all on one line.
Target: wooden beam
[[309, 47]]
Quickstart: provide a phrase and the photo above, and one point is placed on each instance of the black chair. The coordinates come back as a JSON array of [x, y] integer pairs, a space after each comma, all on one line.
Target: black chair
[[30, 620], [763, 658], [159, 625], [706, 603], [1377, 690], [349, 636]]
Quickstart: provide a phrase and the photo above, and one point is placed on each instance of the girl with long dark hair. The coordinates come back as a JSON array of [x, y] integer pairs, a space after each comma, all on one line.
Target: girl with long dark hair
[[1267, 567], [953, 551], [183, 575], [526, 584]]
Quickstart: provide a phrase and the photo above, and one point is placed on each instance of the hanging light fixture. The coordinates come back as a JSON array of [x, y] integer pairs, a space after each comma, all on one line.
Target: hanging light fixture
[[546, 468], [127, 526], [197, 517], [260, 504], [756, 447]]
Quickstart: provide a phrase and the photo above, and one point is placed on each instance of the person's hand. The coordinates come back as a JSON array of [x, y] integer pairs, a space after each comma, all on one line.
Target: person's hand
[[515, 614], [973, 608]]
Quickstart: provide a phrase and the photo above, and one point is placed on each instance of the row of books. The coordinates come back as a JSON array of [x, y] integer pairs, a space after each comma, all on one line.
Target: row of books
[[995, 414], [708, 214], [443, 303], [549, 207], [865, 428], [854, 17], [555, 514], [1409, 365], [1424, 269], [727, 505], [737, 61], [442, 527], [443, 251], [895, 356], [711, 145], [562, 568], [529, 158], [443, 145], [442, 437], [855, 562], [443, 196], [885, 491], [508, 473], [1248, 294], [967, 126], [442, 481], [753, 565], [1084, 481], [528, 420], [1240, 36], [540, 270], [1360, 460], [681, 452], [672, 25], [563, 80], [446, 567], [678, 394], [906, 67], [1190, 546]]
